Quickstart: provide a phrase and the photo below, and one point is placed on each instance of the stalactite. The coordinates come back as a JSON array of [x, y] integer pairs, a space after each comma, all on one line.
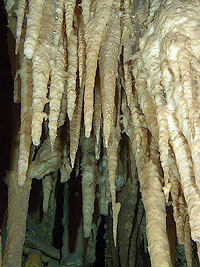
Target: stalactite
[[178, 201], [93, 35], [58, 29], [75, 126], [20, 18], [112, 156], [25, 131], [41, 71], [56, 92], [128, 195], [85, 4], [33, 27], [47, 186], [81, 51], [150, 178], [71, 73], [127, 49], [97, 119], [108, 63], [88, 168], [69, 16], [103, 196], [18, 201], [188, 243], [65, 169]]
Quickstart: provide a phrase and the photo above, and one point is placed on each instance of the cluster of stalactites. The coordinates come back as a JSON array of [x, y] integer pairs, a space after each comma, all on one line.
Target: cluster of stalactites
[[59, 46], [167, 83], [69, 57], [76, 58]]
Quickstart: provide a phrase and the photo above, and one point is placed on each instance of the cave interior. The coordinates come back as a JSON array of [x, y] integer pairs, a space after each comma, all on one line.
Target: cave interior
[[100, 133]]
